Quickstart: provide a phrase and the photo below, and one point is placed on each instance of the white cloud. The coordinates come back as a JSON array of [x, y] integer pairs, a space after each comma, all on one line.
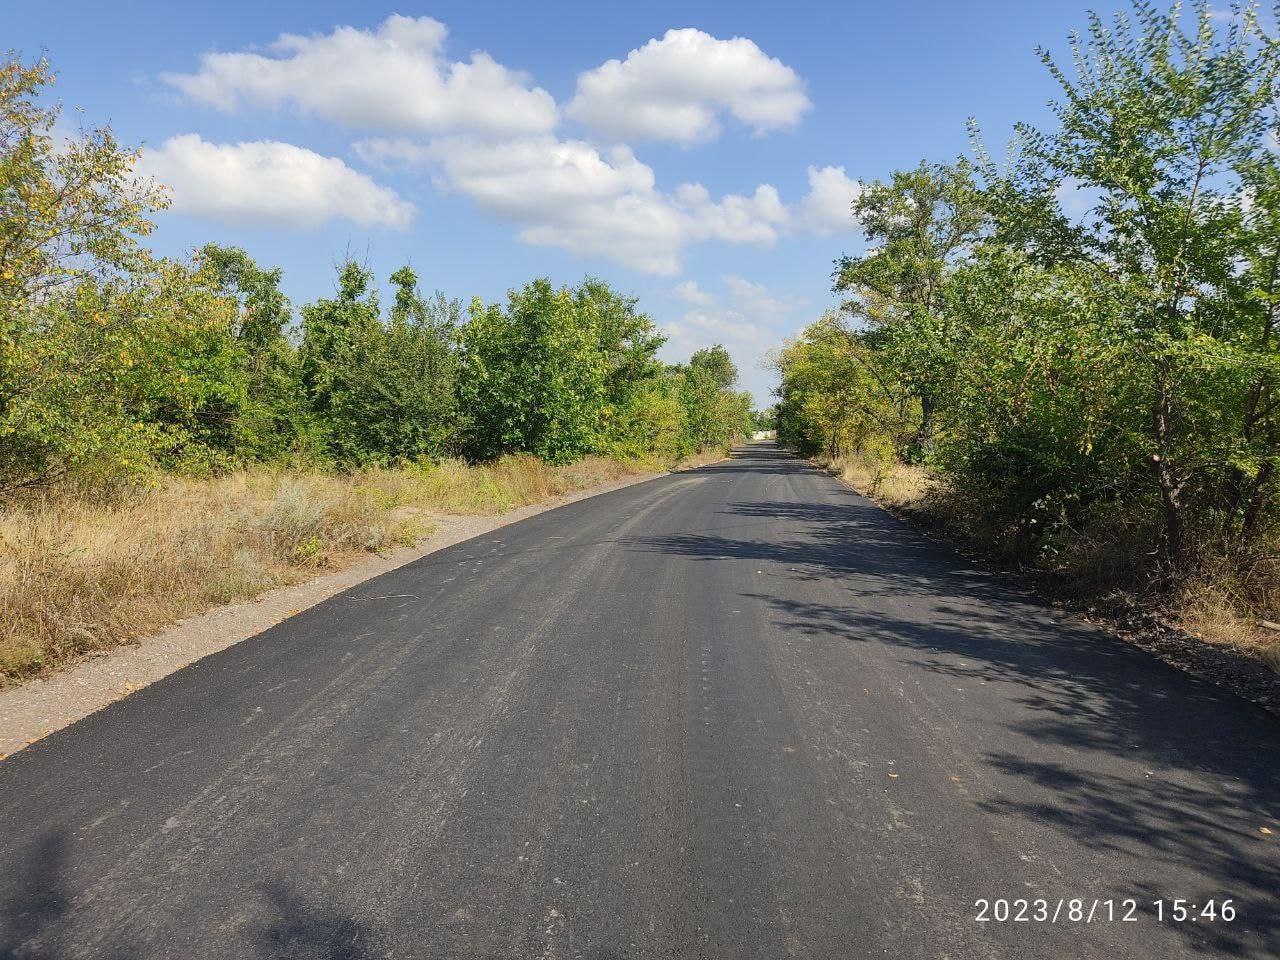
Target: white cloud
[[755, 219], [754, 299], [701, 328], [755, 321], [677, 88], [388, 154], [605, 202], [394, 78], [271, 182], [827, 208], [745, 339], [690, 292], [569, 194]]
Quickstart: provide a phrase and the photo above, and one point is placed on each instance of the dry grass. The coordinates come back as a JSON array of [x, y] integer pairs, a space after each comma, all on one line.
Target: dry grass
[[896, 484], [1219, 609], [81, 573]]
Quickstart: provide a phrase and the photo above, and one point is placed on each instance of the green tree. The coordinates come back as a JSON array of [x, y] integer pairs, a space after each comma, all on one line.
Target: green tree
[[714, 415], [414, 374], [839, 396], [919, 226], [627, 338], [275, 419], [381, 392], [262, 308], [338, 336], [1167, 128], [73, 278], [533, 376]]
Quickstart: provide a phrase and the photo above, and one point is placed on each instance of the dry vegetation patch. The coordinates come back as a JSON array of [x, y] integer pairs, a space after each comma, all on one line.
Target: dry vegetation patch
[[893, 483], [81, 572]]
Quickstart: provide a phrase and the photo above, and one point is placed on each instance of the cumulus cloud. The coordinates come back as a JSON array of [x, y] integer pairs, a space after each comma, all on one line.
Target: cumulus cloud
[[394, 78], [269, 182], [389, 154], [755, 299], [744, 338], [690, 292], [487, 132], [605, 202], [827, 207], [755, 219], [679, 87], [569, 194], [700, 328], [746, 326], [754, 319]]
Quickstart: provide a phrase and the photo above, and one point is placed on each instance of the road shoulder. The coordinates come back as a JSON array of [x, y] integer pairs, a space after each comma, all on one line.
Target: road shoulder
[[39, 707]]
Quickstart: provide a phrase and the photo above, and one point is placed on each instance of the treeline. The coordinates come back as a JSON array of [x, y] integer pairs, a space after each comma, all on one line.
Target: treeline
[[114, 361], [1080, 343]]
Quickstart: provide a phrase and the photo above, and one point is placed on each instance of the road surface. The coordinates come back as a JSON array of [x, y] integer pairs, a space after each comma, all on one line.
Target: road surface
[[737, 712]]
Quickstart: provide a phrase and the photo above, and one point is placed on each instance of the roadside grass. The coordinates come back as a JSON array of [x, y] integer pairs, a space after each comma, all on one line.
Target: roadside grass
[[1212, 609], [892, 483], [1216, 606], [81, 572]]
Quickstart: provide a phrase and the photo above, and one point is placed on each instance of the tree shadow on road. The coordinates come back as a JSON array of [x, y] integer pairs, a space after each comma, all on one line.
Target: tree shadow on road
[[310, 930], [33, 918], [1185, 775], [40, 921]]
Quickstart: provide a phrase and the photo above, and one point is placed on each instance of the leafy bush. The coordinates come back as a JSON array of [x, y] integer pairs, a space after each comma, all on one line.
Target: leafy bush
[[1094, 383], [115, 364]]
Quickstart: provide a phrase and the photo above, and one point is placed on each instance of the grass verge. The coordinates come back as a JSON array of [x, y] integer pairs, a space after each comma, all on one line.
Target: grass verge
[[84, 572]]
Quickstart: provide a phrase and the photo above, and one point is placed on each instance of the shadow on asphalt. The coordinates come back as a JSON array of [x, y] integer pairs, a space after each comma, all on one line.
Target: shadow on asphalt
[[284, 925], [1072, 687]]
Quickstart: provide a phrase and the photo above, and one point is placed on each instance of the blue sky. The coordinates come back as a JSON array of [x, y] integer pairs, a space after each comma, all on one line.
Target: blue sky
[[706, 171]]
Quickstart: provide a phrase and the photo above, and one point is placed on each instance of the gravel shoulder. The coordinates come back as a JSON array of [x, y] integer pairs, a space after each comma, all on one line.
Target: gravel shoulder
[[37, 708]]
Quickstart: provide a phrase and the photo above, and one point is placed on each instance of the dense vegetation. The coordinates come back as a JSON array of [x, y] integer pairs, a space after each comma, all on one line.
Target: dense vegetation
[[1080, 344], [114, 362]]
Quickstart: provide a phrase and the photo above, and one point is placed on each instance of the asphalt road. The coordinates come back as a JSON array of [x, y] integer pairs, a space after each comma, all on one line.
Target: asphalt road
[[737, 712]]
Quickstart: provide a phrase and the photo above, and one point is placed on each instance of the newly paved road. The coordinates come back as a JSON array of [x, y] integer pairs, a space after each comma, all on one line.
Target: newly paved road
[[736, 713]]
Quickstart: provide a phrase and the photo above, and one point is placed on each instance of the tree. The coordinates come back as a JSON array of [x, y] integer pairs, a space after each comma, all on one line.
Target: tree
[[1167, 128], [415, 372], [338, 335], [627, 338], [262, 309], [275, 419], [71, 217], [533, 375], [919, 226], [383, 392], [715, 416], [73, 211], [838, 396]]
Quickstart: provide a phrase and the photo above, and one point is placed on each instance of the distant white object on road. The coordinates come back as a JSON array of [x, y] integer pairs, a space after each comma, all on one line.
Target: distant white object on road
[[765, 435]]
